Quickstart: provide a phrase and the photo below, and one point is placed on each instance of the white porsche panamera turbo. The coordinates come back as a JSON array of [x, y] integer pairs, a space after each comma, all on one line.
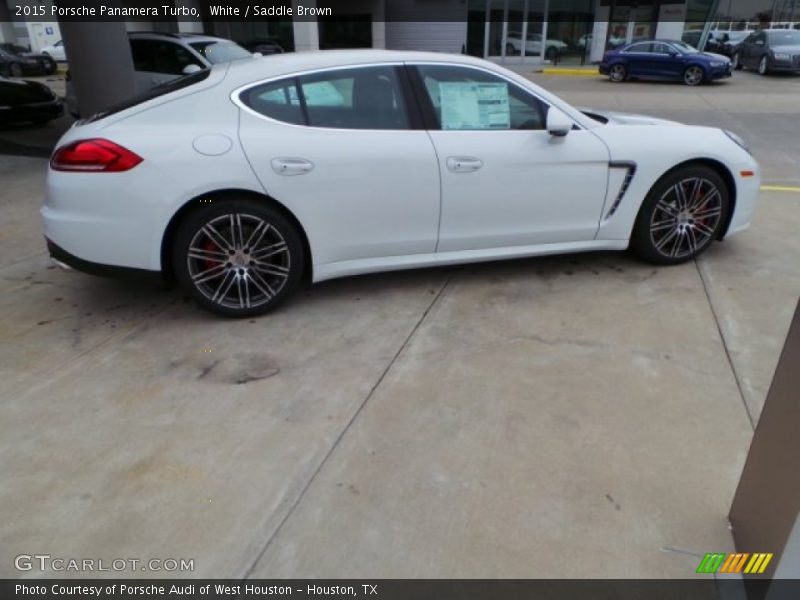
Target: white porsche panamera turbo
[[246, 179]]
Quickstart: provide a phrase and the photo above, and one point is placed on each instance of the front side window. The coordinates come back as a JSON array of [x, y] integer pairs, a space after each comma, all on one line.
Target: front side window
[[359, 98], [470, 99]]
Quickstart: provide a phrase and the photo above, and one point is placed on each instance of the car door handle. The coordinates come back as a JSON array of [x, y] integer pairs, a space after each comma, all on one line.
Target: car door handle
[[464, 164], [291, 166]]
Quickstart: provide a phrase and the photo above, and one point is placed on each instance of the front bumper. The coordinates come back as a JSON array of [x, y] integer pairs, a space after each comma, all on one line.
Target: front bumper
[[720, 72]]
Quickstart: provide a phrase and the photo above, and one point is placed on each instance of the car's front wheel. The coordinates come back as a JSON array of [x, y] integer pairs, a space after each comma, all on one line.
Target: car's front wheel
[[617, 73], [238, 258], [693, 75], [736, 62], [763, 66], [680, 217], [15, 70]]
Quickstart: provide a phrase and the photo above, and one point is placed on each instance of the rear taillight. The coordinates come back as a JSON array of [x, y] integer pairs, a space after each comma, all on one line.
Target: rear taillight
[[95, 156]]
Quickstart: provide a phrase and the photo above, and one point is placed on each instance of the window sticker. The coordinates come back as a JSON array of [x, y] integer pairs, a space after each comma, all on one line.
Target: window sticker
[[472, 105]]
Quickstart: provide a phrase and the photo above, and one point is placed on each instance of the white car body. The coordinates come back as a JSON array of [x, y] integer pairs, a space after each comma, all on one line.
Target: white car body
[[56, 51], [375, 200]]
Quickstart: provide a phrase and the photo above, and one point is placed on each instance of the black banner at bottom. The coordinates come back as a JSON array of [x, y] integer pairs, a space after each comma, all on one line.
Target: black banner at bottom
[[402, 589]]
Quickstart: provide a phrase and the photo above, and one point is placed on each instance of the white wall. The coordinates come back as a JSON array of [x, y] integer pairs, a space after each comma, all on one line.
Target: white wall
[[671, 21]]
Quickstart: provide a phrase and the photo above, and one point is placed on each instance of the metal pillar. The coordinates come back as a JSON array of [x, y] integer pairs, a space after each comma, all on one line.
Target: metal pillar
[[766, 508], [100, 64]]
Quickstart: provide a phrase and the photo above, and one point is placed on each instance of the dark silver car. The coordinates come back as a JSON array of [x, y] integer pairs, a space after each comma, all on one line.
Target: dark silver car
[[770, 50]]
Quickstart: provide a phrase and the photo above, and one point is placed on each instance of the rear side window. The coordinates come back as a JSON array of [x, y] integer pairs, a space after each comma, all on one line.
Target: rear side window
[[278, 100], [359, 98]]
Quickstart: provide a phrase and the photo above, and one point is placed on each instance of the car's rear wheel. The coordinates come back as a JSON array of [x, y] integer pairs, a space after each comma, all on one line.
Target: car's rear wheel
[[551, 53], [617, 73], [238, 258], [15, 70], [680, 217], [763, 65], [693, 75]]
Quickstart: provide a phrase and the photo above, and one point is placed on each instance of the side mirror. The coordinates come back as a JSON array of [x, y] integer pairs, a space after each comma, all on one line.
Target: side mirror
[[558, 124], [189, 69]]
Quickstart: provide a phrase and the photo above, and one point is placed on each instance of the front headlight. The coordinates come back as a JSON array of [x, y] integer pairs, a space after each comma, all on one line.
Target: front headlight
[[782, 56], [719, 63], [737, 140]]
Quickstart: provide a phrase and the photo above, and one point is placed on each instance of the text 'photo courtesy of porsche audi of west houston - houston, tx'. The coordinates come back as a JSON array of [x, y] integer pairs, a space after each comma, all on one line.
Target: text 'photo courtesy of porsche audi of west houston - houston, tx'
[[247, 179]]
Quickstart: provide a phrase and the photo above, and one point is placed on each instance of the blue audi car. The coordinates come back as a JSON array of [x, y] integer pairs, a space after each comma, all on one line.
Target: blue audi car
[[664, 59]]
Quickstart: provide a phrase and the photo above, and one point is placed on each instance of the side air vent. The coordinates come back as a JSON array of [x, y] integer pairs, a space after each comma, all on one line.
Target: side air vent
[[630, 167]]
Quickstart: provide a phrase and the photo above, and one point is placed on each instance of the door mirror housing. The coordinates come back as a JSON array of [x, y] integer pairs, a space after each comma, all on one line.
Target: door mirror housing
[[558, 123], [189, 69]]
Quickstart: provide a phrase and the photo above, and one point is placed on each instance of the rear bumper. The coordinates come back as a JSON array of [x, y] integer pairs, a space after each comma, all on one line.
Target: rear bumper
[[93, 268]]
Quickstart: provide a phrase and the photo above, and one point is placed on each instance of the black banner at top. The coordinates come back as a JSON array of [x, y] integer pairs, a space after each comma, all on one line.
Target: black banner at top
[[638, 11]]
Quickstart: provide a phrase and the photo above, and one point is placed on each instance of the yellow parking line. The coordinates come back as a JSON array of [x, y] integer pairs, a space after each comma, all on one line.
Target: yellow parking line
[[781, 188], [564, 71]]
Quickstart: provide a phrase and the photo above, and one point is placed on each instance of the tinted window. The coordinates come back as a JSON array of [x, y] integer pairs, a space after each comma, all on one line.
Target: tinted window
[[784, 38], [155, 56], [277, 100], [144, 55], [465, 98], [646, 47], [362, 98], [662, 48]]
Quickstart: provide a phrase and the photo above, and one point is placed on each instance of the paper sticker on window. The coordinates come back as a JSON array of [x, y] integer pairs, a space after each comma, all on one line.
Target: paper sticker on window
[[471, 105]]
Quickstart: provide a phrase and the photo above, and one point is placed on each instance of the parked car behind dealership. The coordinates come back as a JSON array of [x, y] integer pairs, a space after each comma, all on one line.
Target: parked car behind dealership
[[27, 102], [16, 61], [162, 57], [57, 51], [664, 59], [264, 46], [770, 50]]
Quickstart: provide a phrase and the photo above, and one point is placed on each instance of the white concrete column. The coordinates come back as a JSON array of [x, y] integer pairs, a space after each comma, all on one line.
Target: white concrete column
[[378, 24], [190, 26], [306, 33], [6, 26]]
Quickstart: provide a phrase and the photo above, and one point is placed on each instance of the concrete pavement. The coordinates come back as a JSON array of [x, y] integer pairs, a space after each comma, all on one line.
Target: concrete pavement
[[576, 416]]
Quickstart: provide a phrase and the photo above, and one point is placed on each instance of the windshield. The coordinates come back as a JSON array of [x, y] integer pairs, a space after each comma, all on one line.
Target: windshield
[[685, 48], [737, 36], [784, 38], [220, 51]]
